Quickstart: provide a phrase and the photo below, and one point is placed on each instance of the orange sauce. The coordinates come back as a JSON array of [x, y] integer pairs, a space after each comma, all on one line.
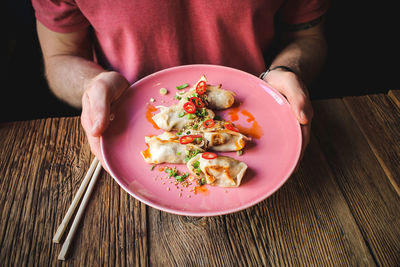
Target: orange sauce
[[160, 169], [249, 116], [233, 113], [146, 153], [238, 146], [149, 114], [202, 190], [254, 130]]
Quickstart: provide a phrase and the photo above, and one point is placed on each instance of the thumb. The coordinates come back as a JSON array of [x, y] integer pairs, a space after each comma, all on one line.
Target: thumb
[[103, 90], [99, 107]]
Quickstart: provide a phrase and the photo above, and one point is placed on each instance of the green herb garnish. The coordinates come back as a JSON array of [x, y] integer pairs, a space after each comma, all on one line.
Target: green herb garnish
[[180, 87], [181, 178], [181, 114], [177, 97], [152, 167], [196, 164], [171, 172]]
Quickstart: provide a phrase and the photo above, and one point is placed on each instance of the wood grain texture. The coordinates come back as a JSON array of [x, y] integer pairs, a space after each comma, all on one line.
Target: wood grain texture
[[395, 97], [370, 196], [306, 223], [339, 209], [379, 121], [41, 167]]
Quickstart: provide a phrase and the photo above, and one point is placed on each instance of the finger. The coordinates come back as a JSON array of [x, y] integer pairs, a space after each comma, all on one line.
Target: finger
[[99, 107], [296, 93], [94, 142], [305, 133], [300, 105], [85, 115]]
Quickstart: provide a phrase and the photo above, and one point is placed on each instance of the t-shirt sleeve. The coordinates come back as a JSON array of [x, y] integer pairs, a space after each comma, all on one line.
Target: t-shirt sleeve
[[302, 11], [60, 15]]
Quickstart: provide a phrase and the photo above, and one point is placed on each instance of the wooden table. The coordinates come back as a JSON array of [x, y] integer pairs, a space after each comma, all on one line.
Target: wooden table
[[341, 208]]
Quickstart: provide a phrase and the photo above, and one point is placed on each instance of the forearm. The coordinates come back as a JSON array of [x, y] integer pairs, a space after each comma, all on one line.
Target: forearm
[[68, 76], [305, 55]]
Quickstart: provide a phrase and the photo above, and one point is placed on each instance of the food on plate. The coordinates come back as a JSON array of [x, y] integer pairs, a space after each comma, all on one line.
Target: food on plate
[[196, 130], [221, 171], [193, 106], [213, 96], [169, 148], [175, 117], [218, 135], [225, 140]]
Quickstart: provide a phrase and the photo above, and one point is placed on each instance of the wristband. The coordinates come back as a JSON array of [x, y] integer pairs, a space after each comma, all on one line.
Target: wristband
[[285, 68]]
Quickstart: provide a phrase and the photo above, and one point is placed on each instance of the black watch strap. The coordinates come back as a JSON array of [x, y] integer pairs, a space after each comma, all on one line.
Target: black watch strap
[[285, 68]]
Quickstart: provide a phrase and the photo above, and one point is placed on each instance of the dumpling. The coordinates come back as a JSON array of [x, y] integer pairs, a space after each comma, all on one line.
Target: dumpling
[[225, 140], [173, 117], [215, 97], [221, 171], [166, 148], [222, 136]]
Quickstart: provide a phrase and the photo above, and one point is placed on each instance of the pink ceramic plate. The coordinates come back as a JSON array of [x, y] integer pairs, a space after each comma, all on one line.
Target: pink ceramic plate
[[259, 111]]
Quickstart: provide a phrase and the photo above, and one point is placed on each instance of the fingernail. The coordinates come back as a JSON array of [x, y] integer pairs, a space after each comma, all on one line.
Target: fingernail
[[303, 118], [302, 115], [95, 127]]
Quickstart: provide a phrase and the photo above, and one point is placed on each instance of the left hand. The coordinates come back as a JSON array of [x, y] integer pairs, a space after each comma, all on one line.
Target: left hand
[[295, 91]]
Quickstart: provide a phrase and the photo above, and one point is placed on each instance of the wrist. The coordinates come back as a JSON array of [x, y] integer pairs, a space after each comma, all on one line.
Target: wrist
[[280, 67]]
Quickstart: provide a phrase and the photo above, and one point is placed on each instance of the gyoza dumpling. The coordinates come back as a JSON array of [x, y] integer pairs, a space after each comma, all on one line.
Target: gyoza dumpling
[[225, 140], [221, 171], [174, 117], [222, 136], [215, 97], [166, 148]]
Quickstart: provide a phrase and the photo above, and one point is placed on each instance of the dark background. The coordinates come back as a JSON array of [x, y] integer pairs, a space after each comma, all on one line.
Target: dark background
[[363, 58]]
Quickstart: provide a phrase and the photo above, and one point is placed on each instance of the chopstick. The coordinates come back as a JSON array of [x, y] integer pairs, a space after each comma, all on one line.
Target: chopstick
[[91, 178]]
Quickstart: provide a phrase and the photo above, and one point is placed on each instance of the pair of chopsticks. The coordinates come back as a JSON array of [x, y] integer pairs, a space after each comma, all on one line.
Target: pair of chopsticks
[[91, 176]]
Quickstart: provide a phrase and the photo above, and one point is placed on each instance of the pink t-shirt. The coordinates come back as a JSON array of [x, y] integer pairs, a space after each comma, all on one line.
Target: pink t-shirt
[[139, 37]]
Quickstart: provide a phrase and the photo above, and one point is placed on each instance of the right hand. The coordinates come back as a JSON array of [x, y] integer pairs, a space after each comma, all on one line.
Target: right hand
[[99, 93]]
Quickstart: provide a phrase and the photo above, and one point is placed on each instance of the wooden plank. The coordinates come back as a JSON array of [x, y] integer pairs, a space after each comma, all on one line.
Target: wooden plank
[[42, 164], [379, 121], [395, 97], [306, 223], [372, 199]]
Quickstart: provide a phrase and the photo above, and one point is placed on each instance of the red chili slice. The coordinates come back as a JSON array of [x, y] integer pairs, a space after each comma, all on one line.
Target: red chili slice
[[201, 87], [229, 126], [197, 101], [186, 139], [189, 107], [208, 155], [209, 123]]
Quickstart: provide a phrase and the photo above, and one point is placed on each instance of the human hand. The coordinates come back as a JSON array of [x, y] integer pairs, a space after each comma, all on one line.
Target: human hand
[[295, 91], [99, 93]]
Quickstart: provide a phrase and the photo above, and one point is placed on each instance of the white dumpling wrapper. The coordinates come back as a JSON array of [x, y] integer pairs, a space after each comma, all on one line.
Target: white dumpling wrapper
[[225, 140], [165, 148], [168, 118], [222, 171], [217, 98]]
